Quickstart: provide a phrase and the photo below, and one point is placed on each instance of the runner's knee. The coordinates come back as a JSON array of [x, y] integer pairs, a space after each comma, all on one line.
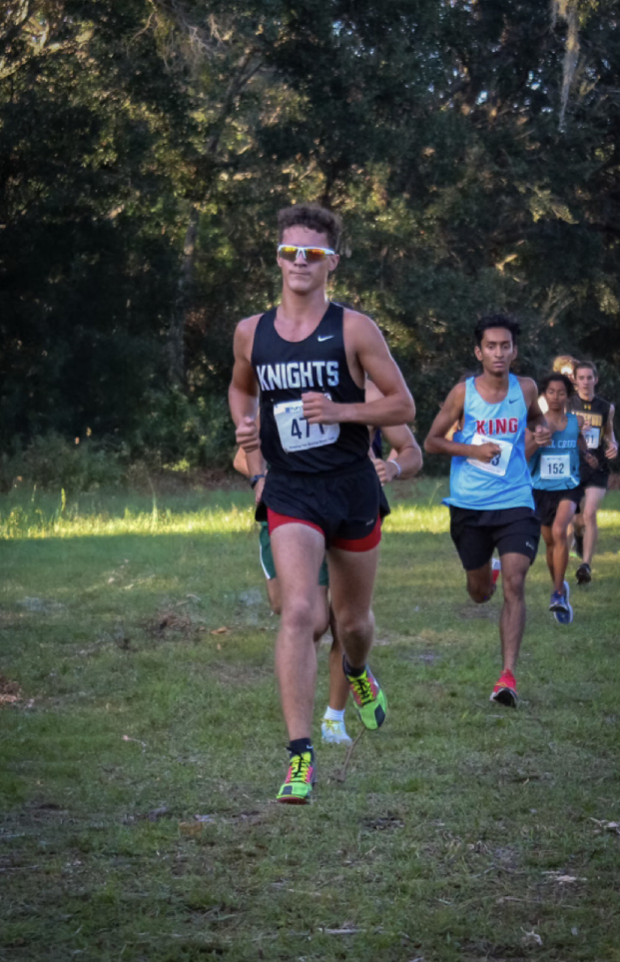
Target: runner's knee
[[479, 593], [514, 585], [560, 534], [298, 614], [352, 623], [320, 628]]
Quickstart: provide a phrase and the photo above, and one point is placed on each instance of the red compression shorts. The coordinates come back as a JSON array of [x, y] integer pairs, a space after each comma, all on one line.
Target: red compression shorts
[[366, 543]]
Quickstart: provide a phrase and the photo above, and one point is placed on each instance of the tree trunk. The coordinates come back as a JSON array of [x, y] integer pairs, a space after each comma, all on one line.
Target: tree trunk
[[176, 334]]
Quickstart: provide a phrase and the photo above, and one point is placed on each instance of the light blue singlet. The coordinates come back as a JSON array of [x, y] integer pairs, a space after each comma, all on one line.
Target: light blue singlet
[[506, 482], [556, 467]]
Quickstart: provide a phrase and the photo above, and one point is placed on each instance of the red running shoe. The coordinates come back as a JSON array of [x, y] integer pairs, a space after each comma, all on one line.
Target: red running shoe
[[505, 691]]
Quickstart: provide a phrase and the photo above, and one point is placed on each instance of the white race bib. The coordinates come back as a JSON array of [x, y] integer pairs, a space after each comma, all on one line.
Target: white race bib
[[295, 432], [499, 464], [592, 436], [554, 466]]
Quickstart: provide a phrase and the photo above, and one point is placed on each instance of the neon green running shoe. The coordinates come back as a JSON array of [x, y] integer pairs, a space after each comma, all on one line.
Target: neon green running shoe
[[300, 779], [370, 700]]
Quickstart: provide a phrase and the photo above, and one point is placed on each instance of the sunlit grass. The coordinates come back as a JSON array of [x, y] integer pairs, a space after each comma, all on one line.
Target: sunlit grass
[[110, 516], [36, 526], [113, 515], [434, 520], [34, 516], [608, 519]]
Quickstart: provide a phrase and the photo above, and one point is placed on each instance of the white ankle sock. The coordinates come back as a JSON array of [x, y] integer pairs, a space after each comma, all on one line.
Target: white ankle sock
[[331, 714]]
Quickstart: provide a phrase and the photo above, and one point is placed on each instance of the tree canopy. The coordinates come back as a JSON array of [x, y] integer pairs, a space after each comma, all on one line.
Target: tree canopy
[[471, 147]]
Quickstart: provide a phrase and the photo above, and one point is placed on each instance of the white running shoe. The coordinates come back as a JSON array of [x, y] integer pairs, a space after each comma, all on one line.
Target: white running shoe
[[334, 732]]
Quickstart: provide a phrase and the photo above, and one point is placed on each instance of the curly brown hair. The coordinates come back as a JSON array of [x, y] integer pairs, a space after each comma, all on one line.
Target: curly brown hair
[[313, 217]]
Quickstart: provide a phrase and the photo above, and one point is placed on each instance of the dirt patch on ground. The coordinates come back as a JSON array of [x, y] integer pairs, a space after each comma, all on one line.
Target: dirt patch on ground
[[477, 613], [10, 692]]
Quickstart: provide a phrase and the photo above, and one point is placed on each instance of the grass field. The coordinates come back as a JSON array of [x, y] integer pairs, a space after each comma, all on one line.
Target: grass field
[[142, 744]]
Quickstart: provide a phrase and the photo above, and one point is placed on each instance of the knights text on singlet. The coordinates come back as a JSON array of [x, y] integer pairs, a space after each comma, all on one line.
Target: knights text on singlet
[[505, 482], [285, 370]]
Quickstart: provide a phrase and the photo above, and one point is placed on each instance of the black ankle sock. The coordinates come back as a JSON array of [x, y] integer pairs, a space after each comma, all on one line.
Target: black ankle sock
[[299, 745], [354, 672]]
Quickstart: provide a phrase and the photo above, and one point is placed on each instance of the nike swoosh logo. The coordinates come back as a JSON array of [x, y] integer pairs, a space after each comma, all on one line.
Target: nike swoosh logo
[[326, 338], [514, 400]]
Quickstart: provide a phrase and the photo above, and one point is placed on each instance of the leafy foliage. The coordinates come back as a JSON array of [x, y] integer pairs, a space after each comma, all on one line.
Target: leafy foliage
[[146, 147]]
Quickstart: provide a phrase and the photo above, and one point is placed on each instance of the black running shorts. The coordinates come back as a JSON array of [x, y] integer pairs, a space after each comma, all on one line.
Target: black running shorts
[[345, 505], [594, 477], [547, 502], [477, 533]]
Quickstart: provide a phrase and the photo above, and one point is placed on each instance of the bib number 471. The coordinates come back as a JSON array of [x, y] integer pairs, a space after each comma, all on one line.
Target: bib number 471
[[303, 432], [296, 433]]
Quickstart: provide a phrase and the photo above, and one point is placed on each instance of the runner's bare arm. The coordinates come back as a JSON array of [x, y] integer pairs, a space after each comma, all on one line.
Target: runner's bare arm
[[451, 411], [405, 454], [538, 438], [240, 463], [367, 352], [531, 445], [258, 463], [405, 457], [243, 390], [611, 445]]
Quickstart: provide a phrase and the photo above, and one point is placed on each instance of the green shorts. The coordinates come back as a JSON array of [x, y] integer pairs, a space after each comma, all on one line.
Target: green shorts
[[266, 558]]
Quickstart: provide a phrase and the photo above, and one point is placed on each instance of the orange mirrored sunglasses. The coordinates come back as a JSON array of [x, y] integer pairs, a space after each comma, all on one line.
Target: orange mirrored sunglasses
[[311, 255]]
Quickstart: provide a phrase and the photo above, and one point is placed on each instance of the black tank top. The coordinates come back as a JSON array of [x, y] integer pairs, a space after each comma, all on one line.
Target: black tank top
[[596, 414], [286, 370]]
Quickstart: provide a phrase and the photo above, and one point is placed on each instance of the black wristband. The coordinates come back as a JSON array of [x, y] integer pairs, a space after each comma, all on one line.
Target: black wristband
[[255, 479]]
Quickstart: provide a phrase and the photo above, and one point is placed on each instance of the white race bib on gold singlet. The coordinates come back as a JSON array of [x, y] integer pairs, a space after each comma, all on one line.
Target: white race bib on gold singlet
[[295, 432], [499, 464], [554, 466]]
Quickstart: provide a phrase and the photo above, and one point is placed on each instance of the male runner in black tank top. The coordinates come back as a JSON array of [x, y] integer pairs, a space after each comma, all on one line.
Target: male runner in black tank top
[[598, 431], [404, 461], [307, 360]]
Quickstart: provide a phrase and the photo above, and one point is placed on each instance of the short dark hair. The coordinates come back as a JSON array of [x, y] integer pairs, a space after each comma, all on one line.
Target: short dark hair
[[497, 320], [557, 376], [589, 364], [313, 217]]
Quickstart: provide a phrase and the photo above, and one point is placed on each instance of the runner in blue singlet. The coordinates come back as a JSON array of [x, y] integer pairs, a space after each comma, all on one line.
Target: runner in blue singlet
[[557, 487], [491, 502]]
